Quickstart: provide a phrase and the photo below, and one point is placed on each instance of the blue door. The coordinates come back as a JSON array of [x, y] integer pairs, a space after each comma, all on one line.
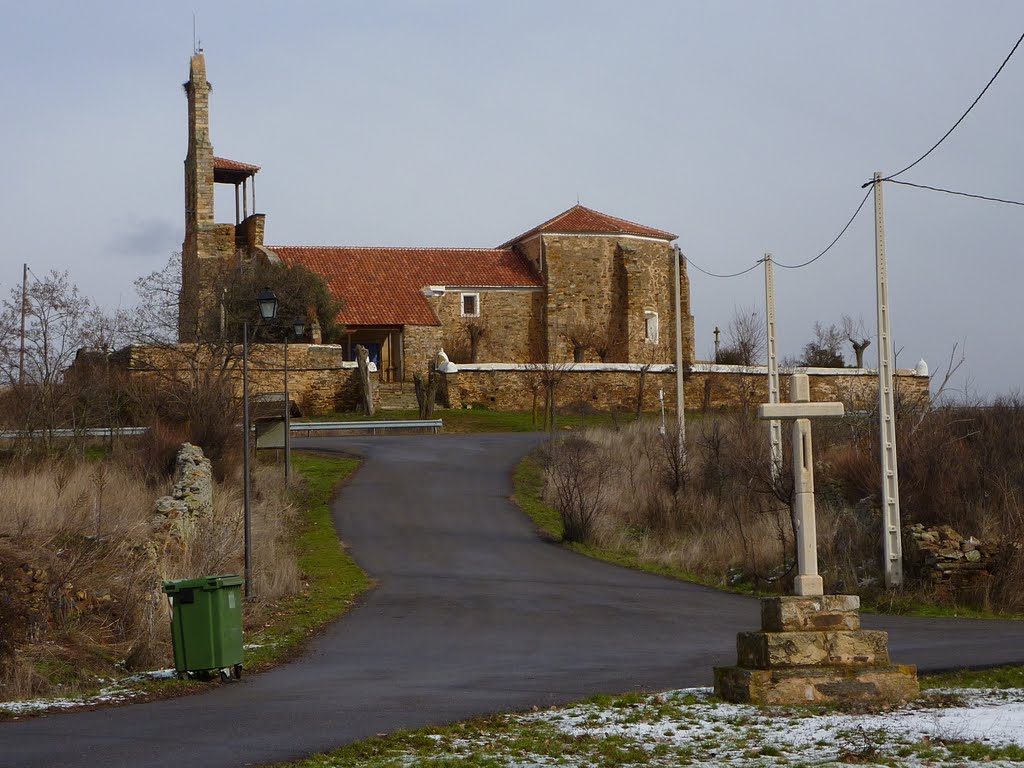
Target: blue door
[[373, 348]]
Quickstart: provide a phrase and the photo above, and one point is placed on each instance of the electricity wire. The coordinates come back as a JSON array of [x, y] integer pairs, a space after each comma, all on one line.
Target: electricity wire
[[829, 246], [715, 274], [946, 135], [954, 192]]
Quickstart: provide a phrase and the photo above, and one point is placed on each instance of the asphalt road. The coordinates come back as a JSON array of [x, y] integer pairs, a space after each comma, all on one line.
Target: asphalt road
[[473, 614]]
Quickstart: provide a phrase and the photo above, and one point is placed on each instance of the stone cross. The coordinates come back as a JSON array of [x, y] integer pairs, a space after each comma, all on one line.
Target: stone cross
[[800, 408]]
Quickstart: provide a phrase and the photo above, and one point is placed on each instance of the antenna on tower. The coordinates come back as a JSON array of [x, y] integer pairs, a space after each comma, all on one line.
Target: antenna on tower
[[197, 44]]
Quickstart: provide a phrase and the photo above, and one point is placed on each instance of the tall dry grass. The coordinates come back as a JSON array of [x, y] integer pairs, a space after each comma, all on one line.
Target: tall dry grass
[[81, 566], [722, 516]]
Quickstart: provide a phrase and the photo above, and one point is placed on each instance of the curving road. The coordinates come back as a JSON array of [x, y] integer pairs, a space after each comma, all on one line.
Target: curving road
[[473, 614]]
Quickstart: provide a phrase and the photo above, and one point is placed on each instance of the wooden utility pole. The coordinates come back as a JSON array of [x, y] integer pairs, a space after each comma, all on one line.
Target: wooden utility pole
[[891, 531], [774, 425]]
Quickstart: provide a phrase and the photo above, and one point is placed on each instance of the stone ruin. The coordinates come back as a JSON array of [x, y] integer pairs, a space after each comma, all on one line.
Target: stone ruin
[[191, 494], [943, 557]]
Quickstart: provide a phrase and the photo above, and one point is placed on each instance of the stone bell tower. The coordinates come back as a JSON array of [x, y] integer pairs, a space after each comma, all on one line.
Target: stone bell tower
[[210, 248]]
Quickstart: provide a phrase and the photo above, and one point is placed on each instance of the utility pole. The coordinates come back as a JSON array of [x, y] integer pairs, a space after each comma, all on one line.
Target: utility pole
[[891, 532], [774, 425], [718, 343], [24, 312], [677, 255]]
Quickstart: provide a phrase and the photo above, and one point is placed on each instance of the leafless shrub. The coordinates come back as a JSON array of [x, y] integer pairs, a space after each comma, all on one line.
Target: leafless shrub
[[578, 478]]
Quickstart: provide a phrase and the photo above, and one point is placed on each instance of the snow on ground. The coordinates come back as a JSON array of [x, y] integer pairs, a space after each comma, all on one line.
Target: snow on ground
[[118, 692], [688, 726], [715, 733]]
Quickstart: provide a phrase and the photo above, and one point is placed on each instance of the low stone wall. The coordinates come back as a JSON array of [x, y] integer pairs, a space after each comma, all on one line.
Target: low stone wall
[[941, 554], [616, 386], [320, 380]]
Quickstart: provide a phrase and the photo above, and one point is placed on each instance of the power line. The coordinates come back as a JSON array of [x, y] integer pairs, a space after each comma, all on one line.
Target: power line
[[945, 136], [734, 274], [836, 240], [953, 192]]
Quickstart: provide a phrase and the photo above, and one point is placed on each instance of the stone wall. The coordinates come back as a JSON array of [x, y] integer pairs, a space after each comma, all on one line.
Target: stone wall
[[420, 345], [320, 380], [616, 386], [608, 283], [510, 318]]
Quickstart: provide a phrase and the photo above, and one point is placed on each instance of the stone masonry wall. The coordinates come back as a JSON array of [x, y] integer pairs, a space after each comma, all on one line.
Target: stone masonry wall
[[510, 320], [319, 379], [420, 345], [607, 283], [615, 386]]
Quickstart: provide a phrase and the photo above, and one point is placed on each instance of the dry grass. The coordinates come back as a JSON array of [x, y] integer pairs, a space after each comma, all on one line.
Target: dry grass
[[722, 517], [80, 568]]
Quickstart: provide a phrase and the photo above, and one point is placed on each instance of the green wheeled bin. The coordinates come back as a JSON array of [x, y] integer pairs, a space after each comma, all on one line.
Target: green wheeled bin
[[206, 625]]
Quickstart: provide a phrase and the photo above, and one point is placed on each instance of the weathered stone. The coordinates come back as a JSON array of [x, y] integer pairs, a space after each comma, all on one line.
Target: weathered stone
[[820, 612], [817, 685], [768, 650]]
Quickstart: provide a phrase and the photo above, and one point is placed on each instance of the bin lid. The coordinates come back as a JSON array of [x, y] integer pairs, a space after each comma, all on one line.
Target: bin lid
[[209, 583]]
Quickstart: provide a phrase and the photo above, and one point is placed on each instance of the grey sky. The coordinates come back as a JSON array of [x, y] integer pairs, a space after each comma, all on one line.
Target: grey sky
[[744, 126]]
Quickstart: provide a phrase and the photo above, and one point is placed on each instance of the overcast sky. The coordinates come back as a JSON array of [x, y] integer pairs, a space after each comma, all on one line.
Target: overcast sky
[[746, 127]]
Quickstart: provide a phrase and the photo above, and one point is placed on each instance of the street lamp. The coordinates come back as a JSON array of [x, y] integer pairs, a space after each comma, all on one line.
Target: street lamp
[[299, 327], [267, 303]]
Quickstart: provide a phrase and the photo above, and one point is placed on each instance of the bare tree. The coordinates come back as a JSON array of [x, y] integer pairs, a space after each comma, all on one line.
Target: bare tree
[[825, 349], [746, 338], [580, 476], [59, 322], [426, 393], [858, 337], [579, 337], [476, 330]]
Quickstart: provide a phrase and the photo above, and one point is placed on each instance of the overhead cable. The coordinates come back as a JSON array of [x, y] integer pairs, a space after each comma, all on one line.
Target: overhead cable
[[959, 194], [829, 246], [964, 115], [714, 274]]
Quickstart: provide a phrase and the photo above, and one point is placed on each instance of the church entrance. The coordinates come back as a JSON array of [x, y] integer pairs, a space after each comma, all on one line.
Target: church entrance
[[385, 348]]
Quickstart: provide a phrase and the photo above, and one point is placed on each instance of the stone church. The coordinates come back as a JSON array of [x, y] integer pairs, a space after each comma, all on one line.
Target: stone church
[[582, 286]]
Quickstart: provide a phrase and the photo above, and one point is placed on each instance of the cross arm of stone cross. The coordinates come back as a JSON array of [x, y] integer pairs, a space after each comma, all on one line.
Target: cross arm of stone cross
[[799, 410]]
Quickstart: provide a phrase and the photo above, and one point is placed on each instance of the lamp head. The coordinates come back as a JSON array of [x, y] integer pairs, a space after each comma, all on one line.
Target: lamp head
[[267, 301]]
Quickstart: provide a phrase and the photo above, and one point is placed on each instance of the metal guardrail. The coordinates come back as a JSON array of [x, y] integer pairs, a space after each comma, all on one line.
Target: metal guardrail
[[64, 432], [306, 427], [330, 426]]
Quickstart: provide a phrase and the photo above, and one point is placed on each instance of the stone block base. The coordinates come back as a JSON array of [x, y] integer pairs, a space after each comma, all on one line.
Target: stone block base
[[817, 685], [808, 614], [768, 650]]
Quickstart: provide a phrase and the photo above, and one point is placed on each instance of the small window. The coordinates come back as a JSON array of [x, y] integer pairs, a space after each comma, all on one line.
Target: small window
[[471, 305], [651, 327]]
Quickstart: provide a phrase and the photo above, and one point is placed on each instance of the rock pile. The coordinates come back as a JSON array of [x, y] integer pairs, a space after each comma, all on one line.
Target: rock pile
[[940, 554], [191, 494]]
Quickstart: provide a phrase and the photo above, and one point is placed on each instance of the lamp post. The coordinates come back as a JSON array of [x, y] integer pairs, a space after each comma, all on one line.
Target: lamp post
[[267, 303], [299, 327]]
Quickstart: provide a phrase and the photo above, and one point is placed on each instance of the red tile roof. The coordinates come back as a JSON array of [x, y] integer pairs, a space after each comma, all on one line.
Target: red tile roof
[[586, 220], [383, 286], [223, 164]]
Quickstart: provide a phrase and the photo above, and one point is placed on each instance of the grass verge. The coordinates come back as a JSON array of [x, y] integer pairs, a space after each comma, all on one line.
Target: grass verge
[[528, 495], [333, 580], [528, 482]]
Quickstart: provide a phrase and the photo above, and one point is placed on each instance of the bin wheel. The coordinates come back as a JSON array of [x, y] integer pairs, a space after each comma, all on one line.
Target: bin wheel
[[237, 671], [225, 676], [182, 675]]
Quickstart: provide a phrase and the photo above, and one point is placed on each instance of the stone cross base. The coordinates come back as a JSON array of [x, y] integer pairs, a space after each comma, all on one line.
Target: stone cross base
[[811, 650]]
